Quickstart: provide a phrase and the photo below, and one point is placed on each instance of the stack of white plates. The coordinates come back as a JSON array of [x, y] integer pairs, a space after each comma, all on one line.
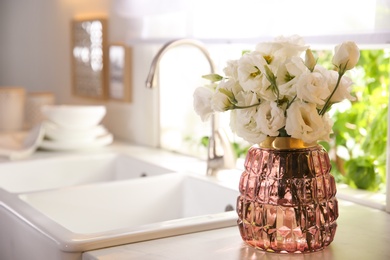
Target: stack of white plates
[[60, 138], [74, 128]]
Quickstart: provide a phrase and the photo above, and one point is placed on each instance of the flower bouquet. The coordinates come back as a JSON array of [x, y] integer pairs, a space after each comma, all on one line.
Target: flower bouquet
[[279, 90], [287, 200]]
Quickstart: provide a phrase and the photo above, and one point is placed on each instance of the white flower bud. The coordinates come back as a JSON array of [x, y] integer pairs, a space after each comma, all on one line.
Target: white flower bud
[[310, 61], [346, 55]]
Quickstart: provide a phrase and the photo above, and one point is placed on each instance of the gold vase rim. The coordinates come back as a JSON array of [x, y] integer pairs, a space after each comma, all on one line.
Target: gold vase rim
[[285, 143]]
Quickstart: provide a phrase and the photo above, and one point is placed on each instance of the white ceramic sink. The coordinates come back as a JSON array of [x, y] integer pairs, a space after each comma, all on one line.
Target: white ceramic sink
[[130, 204], [74, 204], [71, 170]]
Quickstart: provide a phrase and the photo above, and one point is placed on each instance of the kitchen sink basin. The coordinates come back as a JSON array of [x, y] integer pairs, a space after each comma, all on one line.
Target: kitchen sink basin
[[106, 207], [71, 170], [60, 207]]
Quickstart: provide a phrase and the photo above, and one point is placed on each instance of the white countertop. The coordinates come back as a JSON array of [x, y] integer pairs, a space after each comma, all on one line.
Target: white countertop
[[362, 233]]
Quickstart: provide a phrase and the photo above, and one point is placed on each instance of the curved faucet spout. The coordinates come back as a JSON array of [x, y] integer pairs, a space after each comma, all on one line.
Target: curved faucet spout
[[169, 45], [220, 151]]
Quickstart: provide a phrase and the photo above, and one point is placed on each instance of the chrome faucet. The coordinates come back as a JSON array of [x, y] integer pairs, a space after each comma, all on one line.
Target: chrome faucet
[[220, 153]]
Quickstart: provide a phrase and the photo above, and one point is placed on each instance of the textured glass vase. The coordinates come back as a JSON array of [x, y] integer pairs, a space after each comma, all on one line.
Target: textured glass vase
[[287, 198]]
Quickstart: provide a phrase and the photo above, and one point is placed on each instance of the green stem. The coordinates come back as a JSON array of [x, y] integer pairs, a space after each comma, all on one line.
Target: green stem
[[272, 79], [239, 107], [327, 103], [289, 103], [283, 132]]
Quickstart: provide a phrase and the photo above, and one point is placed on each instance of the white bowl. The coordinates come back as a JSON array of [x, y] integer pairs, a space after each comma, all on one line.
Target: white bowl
[[74, 116]]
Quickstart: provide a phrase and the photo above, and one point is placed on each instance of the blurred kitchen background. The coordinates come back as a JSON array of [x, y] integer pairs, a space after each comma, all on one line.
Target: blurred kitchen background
[[36, 50]]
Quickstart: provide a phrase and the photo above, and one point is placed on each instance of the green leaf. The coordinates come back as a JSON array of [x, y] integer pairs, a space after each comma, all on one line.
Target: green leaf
[[204, 141]]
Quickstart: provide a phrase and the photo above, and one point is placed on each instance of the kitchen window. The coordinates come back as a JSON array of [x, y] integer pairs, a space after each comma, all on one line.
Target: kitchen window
[[227, 28]]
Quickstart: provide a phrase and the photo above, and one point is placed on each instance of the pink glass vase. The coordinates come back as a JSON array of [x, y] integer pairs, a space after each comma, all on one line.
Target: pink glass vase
[[287, 200]]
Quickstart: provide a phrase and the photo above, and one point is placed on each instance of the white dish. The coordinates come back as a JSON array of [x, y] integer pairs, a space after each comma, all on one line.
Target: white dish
[[74, 116], [69, 145], [56, 132]]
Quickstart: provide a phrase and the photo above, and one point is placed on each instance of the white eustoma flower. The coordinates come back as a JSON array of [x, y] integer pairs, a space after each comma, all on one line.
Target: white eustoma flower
[[245, 116], [231, 70], [290, 46], [265, 91], [346, 55], [281, 49], [268, 50], [245, 129], [303, 122], [246, 99], [202, 102], [343, 90], [249, 73], [313, 86], [242, 122], [221, 102], [241, 117], [269, 118], [223, 98], [288, 75]]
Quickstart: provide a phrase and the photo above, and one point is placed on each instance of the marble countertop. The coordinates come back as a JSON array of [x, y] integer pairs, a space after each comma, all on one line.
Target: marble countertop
[[362, 233]]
